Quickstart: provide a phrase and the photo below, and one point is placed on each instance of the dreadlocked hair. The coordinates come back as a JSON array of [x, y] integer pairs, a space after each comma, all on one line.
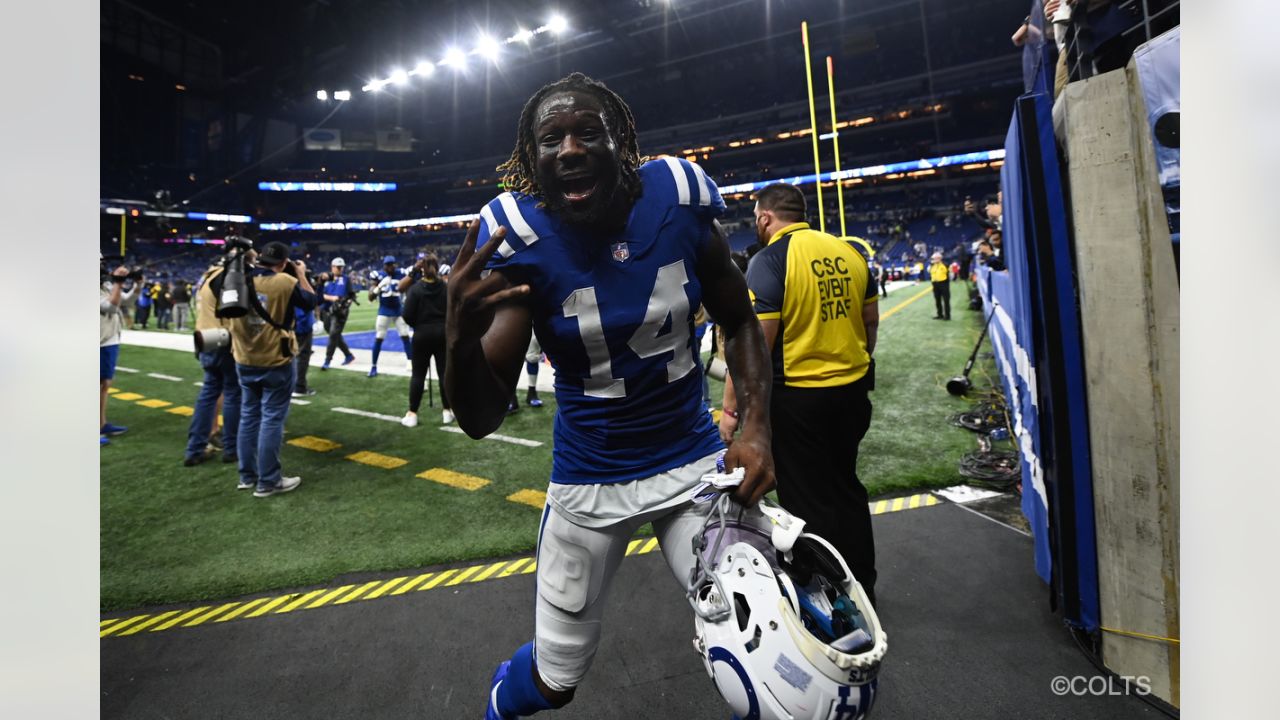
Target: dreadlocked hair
[[518, 173]]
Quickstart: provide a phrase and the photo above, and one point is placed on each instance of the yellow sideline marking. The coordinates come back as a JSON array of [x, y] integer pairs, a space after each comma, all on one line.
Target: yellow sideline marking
[[533, 498], [240, 610], [128, 396], [113, 390], [180, 618], [124, 623], [154, 403], [411, 584], [357, 592], [889, 313], [270, 606], [389, 587], [910, 502], [489, 571], [144, 625], [183, 410], [212, 613], [453, 479], [385, 462], [437, 580], [514, 566], [331, 595], [299, 602], [466, 573], [385, 587], [312, 442]]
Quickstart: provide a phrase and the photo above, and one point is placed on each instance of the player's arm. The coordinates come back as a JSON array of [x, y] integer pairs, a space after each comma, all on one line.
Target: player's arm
[[487, 329], [407, 280], [871, 317], [724, 292]]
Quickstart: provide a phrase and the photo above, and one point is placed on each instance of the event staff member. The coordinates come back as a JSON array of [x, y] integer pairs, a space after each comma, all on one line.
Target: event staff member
[[940, 275], [424, 310], [339, 293], [264, 345], [220, 380], [819, 311]]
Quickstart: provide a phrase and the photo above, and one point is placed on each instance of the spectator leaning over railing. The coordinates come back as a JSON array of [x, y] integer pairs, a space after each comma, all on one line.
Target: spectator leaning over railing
[[110, 324]]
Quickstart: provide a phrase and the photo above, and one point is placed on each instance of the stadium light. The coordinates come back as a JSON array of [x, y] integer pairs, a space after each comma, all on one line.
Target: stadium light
[[342, 95], [399, 77], [455, 58], [424, 68], [557, 24], [488, 48], [322, 94]]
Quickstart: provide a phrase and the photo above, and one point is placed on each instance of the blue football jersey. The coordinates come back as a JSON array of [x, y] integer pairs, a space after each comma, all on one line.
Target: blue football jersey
[[615, 317], [389, 296], [340, 286]]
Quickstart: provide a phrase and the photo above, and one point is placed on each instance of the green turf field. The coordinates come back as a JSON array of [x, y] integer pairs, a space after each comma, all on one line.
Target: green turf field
[[171, 533]]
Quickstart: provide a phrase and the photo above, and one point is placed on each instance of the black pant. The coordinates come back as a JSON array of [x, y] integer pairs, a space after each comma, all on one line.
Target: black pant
[[302, 361], [428, 342], [143, 314], [816, 432], [942, 298], [334, 324]]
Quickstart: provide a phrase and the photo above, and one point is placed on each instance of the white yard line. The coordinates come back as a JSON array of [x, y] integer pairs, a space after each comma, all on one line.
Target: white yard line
[[296, 401], [366, 413], [164, 377], [125, 369], [495, 436]]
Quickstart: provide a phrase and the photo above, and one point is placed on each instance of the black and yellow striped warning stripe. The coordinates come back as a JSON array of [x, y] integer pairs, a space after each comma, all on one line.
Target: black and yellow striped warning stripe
[[125, 625]]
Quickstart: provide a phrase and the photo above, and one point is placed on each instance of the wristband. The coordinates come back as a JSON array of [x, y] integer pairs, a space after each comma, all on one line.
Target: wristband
[[731, 413]]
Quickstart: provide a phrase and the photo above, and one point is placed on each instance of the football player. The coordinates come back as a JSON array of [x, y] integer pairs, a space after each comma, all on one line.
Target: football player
[[387, 288], [604, 257]]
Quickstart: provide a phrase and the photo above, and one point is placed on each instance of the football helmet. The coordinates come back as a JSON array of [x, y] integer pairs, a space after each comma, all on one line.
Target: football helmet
[[784, 629]]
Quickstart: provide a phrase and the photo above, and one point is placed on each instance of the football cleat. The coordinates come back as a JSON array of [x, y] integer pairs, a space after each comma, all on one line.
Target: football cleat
[[373, 371]]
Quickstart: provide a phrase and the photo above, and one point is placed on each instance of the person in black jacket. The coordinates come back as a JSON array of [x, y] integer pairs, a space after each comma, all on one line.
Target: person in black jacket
[[424, 311]]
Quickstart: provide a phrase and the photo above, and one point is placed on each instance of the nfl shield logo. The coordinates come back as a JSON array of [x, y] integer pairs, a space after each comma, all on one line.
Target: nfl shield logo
[[620, 251]]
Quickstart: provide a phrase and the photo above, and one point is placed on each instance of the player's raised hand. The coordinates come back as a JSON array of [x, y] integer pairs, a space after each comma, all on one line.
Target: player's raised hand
[[473, 297], [753, 453]]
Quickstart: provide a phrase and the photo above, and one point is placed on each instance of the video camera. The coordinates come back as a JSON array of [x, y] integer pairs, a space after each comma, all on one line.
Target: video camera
[[233, 295], [105, 274]]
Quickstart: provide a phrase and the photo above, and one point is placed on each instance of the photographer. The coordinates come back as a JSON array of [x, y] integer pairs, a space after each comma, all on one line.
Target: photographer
[[339, 293], [304, 321], [181, 295], [220, 377], [264, 345], [110, 324], [424, 310]]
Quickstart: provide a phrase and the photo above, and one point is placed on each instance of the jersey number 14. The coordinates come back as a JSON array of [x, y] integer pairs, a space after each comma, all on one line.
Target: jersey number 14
[[668, 300]]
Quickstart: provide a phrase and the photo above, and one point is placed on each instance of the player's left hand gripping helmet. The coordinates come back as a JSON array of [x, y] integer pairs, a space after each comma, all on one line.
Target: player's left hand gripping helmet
[[784, 629]]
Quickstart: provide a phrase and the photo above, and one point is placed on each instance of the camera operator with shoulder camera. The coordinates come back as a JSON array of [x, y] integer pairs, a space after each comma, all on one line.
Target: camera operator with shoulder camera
[[338, 294], [264, 344], [110, 323], [213, 348]]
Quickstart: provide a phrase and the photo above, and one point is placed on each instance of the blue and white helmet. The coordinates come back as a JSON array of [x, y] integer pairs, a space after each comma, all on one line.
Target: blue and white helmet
[[784, 629]]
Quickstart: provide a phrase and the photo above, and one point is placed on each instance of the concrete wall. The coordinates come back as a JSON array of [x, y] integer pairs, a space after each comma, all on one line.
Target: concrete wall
[[1129, 308]]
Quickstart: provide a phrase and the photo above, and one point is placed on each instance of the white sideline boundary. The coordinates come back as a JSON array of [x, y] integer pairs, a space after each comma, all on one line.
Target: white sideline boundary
[[495, 436]]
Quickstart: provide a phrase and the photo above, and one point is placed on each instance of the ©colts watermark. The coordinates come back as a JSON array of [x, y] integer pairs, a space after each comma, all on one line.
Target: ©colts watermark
[[1080, 685]]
